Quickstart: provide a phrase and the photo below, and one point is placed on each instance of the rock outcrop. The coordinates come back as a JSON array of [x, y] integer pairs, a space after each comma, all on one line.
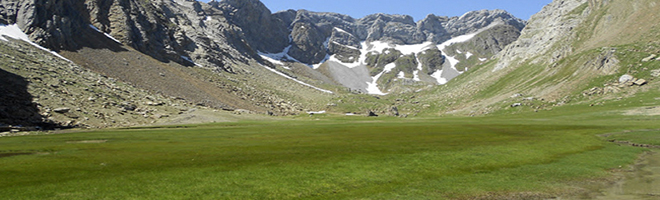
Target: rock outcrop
[[544, 30], [52, 24], [263, 32], [310, 30]]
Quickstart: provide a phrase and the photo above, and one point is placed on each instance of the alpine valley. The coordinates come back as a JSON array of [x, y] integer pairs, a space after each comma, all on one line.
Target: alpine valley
[[106, 57], [181, 99], [105, 63]]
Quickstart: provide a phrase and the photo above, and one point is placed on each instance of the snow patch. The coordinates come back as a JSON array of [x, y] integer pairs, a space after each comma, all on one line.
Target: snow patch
[[419, 69], [468, 55], [284, 56], [277, 62], [342, 31], [191, 61], [438, 76], [276, 58], [414, 48], [296, 80], [416, 76], [350, 47], [401, 75], [460, 39], [13, 31], [327, 56], [372, 87], [483, 59], [316, 112], [380, 46], [106, 34]]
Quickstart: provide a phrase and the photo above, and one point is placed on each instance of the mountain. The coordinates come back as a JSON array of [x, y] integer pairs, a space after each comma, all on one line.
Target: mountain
[[104, 63], [229, 55], [389, 47], [571, 52]]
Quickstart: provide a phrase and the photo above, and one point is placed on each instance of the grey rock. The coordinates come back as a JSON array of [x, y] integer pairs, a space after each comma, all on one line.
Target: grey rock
[[307, 43], [394, 111], [640, 82], [344, 45], [262, 31], [655, 73], [396, 29], [473, 21], [491, 41], [542, 31], [434, 27], [432, 60], [62, 110], [626, 78], [648, 59]]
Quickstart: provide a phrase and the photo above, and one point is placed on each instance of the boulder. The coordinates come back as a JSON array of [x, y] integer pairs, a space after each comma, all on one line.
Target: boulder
[[62, 110], [648, 59], [394, 111], [640, 82], [626, 78], [372, 114]]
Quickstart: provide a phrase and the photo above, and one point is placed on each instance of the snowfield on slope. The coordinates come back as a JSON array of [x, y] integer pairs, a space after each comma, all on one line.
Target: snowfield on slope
[[296, 80], [13, 31], [380, 46]]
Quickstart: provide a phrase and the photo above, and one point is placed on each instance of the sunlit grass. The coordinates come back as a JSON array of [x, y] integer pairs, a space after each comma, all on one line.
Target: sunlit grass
[[333, 158]]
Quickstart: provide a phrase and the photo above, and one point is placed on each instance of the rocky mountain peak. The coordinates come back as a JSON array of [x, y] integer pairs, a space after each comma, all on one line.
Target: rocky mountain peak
[[475, 20], [263, 32]]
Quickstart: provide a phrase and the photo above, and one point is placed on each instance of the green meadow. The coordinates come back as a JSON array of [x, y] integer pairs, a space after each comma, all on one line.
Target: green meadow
[[326, 157]]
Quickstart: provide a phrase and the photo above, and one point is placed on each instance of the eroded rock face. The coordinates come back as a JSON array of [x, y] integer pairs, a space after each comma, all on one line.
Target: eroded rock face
[[344, 33], [263, 32], [344, 45], [432, 60], [549, 26], [52, 24], [473, 21], [307, 43], [142, 25], [397, 29]]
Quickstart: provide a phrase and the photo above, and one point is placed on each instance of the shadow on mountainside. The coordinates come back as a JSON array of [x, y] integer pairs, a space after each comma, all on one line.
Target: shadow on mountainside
[[16, 106]]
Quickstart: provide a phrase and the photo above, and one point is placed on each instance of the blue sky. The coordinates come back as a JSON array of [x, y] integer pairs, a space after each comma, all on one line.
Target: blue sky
[[417, 8]]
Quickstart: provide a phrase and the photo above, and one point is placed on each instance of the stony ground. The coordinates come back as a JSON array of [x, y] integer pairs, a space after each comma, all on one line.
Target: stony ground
[[64, 94]]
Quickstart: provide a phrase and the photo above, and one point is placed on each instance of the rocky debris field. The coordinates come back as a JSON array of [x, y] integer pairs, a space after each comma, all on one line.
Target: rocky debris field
[[62, 94]]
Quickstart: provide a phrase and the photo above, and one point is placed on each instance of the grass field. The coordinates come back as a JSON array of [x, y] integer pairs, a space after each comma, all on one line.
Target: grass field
[[324, 157]]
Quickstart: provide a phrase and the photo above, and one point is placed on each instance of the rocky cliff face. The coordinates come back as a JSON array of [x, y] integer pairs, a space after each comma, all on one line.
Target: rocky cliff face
[[310, 30], [51, 24], [262, 31], [182, 31], [546, 28]]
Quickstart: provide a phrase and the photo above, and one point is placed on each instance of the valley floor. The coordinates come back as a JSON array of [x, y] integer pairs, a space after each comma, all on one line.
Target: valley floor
[[557, 154]]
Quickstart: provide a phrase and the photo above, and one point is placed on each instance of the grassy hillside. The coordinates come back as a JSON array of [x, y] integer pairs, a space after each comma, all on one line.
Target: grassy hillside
[[581, 67]]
